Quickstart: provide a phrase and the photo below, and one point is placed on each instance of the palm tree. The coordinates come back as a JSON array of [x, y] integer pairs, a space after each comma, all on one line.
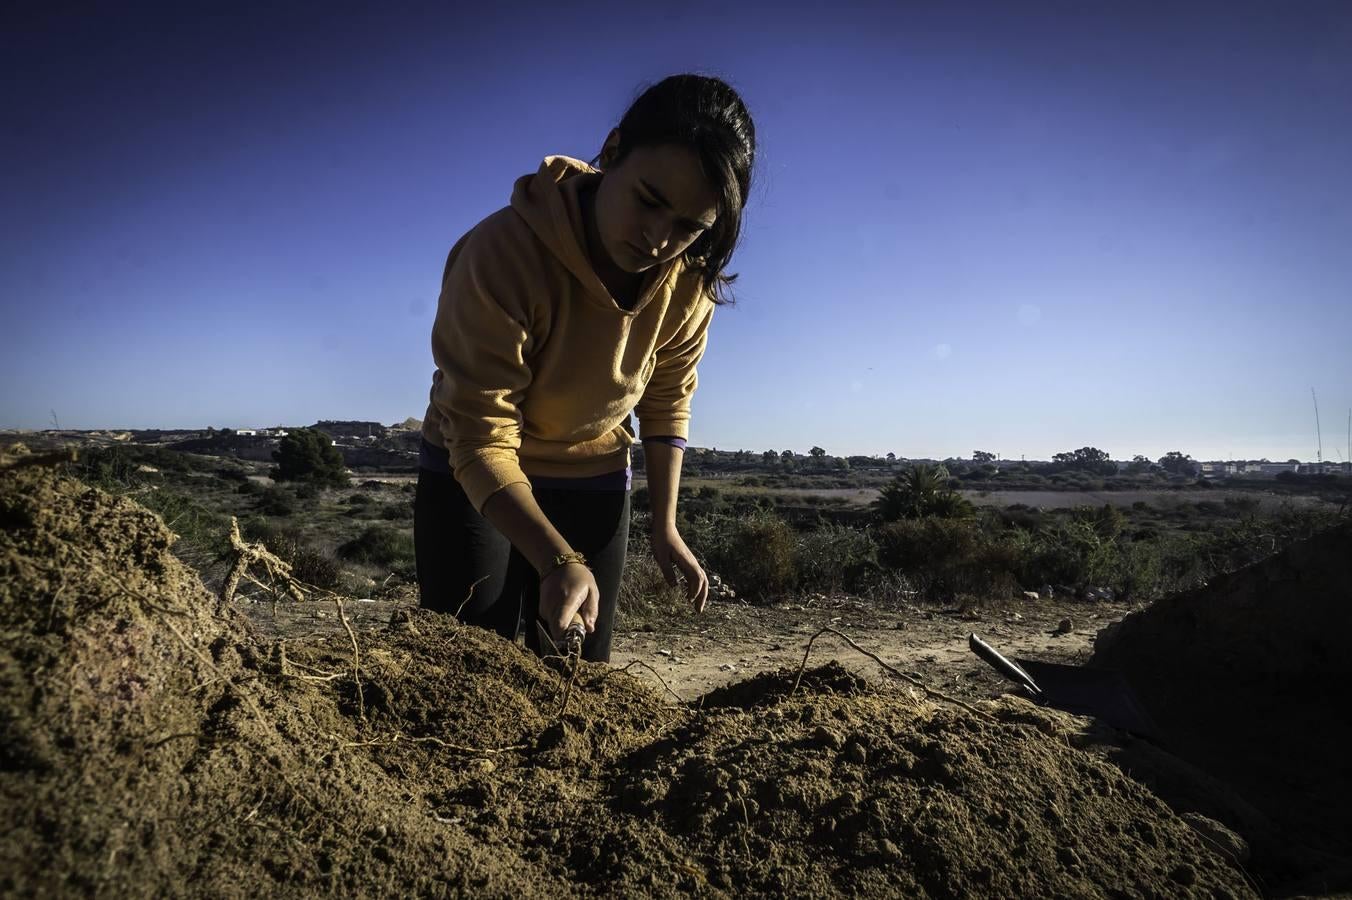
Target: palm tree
[[920, 491]]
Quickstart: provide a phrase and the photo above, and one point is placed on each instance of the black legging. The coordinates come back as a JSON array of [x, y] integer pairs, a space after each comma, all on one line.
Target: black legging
[[456, 546]]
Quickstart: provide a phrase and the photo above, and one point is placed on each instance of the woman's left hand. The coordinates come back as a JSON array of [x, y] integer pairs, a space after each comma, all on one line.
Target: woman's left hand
[[673, 557]]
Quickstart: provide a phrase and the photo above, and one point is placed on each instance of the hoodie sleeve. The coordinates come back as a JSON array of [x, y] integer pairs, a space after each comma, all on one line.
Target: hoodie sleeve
[[480, 341], [664, 408]]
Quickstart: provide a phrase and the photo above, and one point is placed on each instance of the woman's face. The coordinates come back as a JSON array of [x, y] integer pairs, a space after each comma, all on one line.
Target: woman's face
[[652, 206]]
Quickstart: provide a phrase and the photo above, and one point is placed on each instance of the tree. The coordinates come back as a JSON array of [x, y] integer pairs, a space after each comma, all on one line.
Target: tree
[[919, 492], [817, 452], [891, 457], [309, 455], [787, 454], [1087, 459], [769, 456], [1177, 463], [981, 456], [1139, 465]]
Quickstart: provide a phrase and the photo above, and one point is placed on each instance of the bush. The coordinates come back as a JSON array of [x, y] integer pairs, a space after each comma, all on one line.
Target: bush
[[1071, 552], [755, 553], [397, 512], [276, 502], [358, 500], [835, 557], [950, 559], [381, 545], [307, 490]]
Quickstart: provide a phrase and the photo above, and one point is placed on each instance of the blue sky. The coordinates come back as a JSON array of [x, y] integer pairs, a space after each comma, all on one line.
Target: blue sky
[[1021, 228]]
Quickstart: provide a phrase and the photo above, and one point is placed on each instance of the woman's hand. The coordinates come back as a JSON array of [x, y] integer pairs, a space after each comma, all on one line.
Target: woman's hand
[[673, 557], [567, 590]]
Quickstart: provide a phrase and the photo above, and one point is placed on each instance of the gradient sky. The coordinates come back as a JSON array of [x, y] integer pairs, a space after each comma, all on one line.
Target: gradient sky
[[1021, 228]]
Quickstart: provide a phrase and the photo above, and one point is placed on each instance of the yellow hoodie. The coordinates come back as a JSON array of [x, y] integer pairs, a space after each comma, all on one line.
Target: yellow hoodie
[[538, 367]]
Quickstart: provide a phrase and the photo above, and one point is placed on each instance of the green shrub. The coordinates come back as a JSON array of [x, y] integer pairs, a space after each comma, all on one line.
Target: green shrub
[[276, 502], [1071, 552], [950, 558], [835, 557], [756, 553], [358, 500], [397, 511], [381, 545]]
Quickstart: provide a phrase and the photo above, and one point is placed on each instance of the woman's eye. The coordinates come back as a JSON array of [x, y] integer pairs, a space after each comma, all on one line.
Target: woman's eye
[[651, 204]]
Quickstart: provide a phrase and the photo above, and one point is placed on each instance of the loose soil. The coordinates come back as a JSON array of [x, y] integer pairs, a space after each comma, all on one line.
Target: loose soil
[[154, 741]]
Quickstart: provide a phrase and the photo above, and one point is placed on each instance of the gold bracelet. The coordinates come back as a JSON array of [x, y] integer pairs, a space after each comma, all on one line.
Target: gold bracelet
[[562, 560]]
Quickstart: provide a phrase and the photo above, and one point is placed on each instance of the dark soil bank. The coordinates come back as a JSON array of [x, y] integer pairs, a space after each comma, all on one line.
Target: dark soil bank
[[1248, 679], [152, 743]]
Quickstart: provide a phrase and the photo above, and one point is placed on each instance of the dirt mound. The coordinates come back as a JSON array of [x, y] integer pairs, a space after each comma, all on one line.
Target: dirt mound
[[1246, 677], [769, 688], [153, 743]]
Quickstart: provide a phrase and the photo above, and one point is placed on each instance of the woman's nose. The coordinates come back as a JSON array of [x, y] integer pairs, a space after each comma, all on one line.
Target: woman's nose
[[655, 246]]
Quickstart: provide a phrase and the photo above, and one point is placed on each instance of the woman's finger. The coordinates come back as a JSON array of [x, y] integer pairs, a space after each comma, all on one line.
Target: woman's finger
[[591, 609]]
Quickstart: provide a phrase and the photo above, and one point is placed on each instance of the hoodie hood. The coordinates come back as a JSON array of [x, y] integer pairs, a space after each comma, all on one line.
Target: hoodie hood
[[549, 202]]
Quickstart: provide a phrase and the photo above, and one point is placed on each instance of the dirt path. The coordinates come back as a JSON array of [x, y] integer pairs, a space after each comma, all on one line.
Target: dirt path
[[731, 641]]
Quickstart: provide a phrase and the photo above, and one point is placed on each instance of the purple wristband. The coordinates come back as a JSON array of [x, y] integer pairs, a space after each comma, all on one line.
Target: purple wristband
[[673, 441]]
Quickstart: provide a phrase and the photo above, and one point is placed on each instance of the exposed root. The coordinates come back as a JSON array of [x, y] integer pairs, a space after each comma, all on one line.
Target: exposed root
[[469, 595], [247, 555], [929, 691], [356, 658], [388, 740], [639, 662], [279, 573]]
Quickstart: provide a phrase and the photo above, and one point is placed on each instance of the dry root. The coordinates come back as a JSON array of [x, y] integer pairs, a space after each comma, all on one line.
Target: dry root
[[929, 691]]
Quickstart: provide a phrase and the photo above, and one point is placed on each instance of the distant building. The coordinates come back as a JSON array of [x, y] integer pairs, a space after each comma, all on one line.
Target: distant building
[[1250, 468]]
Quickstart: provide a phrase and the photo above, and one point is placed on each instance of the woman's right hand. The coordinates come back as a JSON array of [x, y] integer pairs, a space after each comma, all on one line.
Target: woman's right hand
[[566, 590]]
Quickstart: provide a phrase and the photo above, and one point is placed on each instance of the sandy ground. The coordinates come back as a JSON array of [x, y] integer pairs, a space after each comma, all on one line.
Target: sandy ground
[[731, 641], [693, 654]]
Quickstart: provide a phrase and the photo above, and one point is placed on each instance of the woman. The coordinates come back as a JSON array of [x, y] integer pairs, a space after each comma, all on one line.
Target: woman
[[589, 297]]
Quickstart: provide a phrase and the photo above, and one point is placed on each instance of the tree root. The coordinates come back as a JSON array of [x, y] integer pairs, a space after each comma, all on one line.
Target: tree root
[[395, 737], [929, 691]]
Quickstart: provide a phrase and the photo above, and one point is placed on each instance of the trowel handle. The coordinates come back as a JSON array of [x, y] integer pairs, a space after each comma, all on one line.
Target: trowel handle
[[1006, 668], [576, 630]]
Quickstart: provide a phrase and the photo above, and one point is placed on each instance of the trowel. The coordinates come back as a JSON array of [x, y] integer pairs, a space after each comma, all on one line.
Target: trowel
[[570, 646], [1102, 694]]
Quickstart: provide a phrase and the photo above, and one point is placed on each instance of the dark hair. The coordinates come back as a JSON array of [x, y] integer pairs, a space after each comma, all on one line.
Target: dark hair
[[706, 115]]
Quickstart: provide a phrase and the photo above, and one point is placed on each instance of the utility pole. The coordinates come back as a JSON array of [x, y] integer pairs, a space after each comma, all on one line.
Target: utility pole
[[1319, 455]]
